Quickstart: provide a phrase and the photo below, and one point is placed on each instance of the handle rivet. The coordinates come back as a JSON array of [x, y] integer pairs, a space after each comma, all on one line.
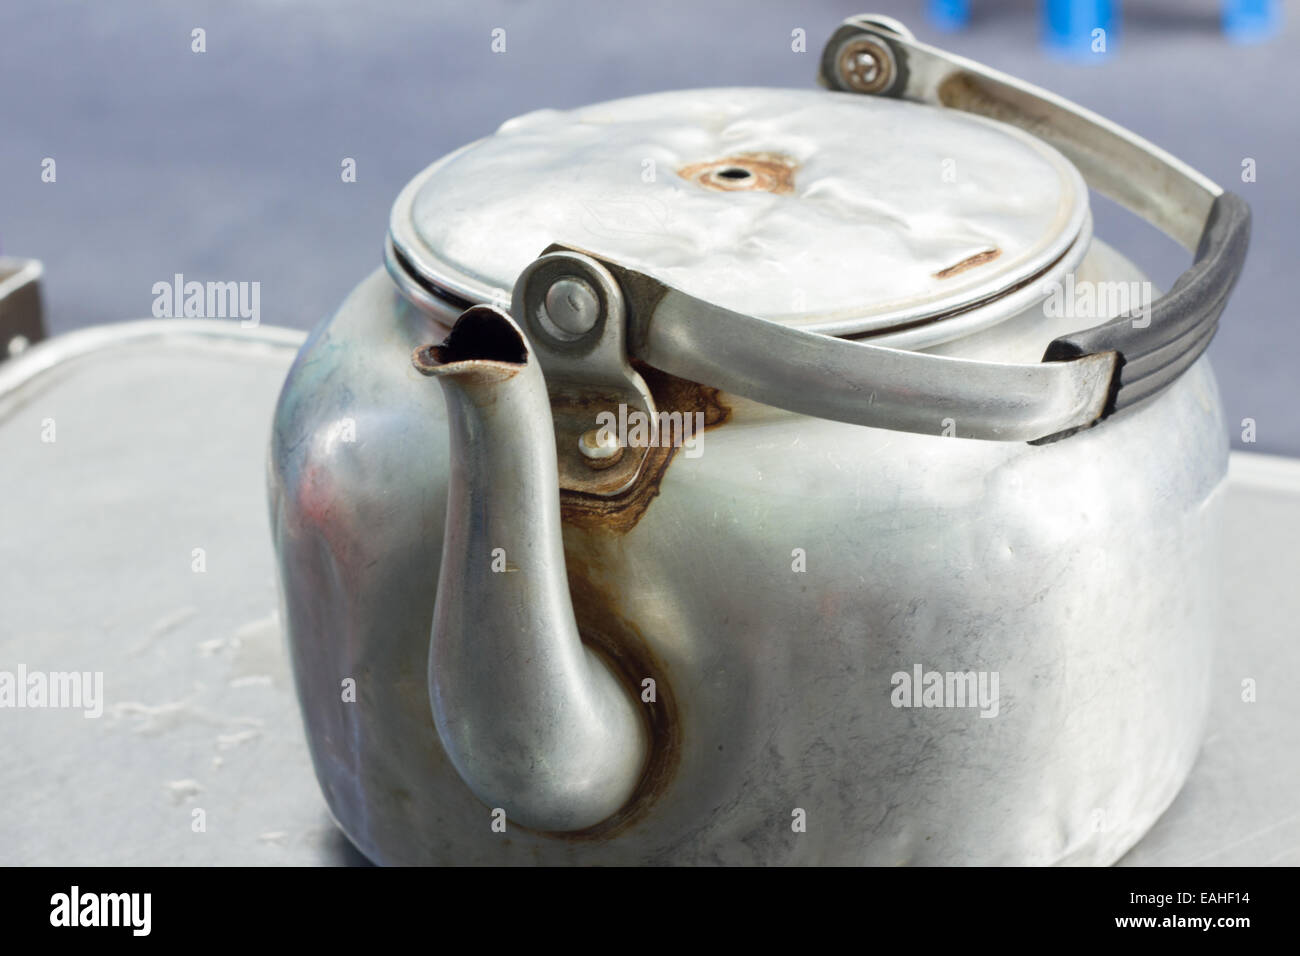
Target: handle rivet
[[865, 66], [600, 447], [572, 306]]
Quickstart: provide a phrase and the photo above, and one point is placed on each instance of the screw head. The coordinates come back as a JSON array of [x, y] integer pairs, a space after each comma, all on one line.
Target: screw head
[[865, 65], [600, 446], [572, 306]]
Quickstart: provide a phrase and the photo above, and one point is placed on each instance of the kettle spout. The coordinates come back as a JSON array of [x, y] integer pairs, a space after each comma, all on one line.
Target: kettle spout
[[534, 722]]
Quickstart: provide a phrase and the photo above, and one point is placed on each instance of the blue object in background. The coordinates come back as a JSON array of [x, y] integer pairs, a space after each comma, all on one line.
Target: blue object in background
[[1070, 27], [949, 14], [1250, 21]]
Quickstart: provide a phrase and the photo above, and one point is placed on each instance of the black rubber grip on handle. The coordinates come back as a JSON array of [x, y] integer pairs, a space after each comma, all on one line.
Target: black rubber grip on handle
[[1182, 321]]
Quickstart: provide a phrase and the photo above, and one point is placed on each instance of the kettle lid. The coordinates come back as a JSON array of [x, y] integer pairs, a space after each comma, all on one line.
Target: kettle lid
[[830, 212]]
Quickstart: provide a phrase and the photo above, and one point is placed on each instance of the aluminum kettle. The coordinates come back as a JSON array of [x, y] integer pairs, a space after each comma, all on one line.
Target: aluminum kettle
[[935, 587]]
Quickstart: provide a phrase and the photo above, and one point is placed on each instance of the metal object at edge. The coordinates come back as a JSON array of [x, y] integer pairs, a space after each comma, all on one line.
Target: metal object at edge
[[22, 321]]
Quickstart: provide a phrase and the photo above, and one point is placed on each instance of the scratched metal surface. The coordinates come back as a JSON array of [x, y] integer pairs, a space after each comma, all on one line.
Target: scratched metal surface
[[159, 449]]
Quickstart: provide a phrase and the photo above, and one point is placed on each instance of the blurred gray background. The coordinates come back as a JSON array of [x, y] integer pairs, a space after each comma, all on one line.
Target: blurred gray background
[[225, 165]]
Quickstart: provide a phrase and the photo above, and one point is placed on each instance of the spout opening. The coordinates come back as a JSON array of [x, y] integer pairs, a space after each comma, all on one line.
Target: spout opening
[[481, 335]]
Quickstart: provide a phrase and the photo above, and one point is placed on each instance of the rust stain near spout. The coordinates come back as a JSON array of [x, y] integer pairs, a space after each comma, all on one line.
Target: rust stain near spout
[[620, 514], [627, 653]]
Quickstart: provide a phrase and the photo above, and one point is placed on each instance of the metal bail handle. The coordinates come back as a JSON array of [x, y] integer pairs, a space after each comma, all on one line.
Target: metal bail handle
[[1083, 378], [876, 55], [849, 381]]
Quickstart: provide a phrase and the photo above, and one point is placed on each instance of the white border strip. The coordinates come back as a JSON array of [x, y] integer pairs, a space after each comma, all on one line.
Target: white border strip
[[54, 352], [1265, 472]]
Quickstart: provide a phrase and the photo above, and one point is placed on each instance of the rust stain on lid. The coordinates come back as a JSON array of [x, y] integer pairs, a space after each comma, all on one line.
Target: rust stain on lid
[[970, 262]]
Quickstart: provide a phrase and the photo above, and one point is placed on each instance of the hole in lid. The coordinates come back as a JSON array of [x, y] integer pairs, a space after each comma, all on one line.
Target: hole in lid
[[767, 172]]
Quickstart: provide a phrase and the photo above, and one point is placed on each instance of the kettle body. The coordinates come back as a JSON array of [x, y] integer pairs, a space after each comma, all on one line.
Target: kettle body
[[880, 604], [1081, 573]]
